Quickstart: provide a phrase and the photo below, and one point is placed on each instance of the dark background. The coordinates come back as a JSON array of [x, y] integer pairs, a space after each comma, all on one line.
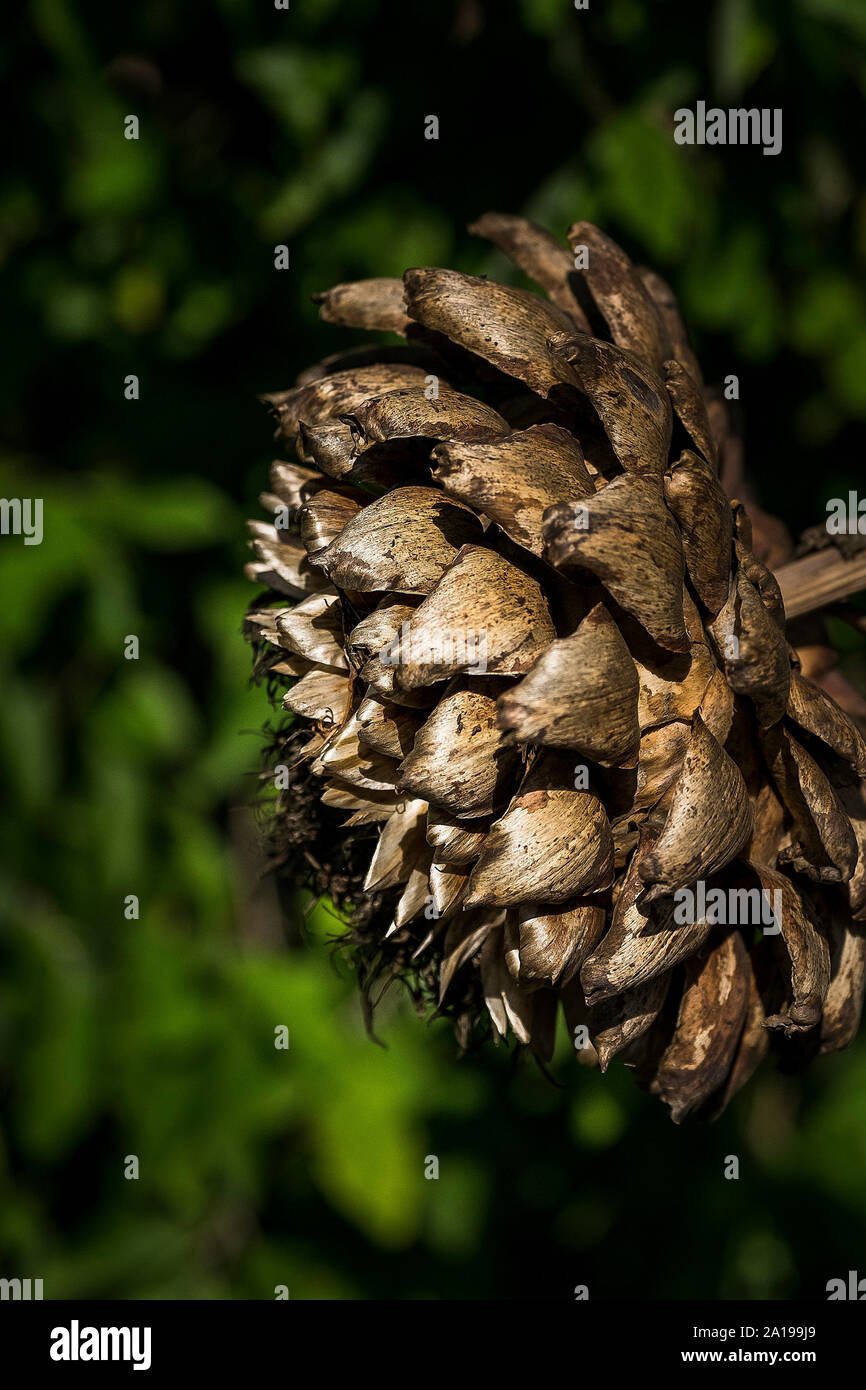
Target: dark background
[[156, 257]]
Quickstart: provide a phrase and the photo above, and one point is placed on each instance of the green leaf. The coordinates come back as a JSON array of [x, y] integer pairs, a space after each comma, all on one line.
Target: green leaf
[[850, 15], [178, 514], [646, 183], [743, 46]]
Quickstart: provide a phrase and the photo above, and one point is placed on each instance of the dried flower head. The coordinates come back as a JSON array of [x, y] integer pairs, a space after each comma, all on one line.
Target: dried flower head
[[549, 741]]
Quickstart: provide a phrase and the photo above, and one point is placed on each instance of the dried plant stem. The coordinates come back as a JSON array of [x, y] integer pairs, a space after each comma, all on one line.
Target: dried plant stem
[[816, 580]]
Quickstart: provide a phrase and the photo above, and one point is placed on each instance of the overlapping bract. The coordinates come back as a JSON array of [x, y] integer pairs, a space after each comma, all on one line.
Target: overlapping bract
[[539, 658]]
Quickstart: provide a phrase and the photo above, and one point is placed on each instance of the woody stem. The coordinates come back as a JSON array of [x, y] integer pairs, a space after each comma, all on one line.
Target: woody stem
[[820, 579]]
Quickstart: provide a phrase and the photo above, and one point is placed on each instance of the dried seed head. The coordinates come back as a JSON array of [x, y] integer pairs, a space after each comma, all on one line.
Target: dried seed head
[[546, 688]]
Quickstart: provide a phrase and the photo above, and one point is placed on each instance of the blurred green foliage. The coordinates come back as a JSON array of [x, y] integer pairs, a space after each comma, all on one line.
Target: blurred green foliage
[[155, 1036]]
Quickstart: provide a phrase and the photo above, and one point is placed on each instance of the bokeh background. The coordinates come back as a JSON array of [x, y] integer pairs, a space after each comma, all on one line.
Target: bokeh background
[[155, 1037]]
